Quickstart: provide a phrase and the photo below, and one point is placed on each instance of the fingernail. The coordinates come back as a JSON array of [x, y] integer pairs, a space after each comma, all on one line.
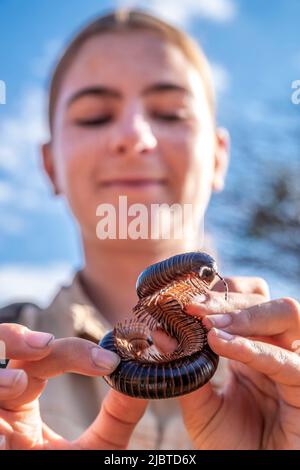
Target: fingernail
[[38, 340], [105, 359], [219, 321], [224, 335], [10, 377]]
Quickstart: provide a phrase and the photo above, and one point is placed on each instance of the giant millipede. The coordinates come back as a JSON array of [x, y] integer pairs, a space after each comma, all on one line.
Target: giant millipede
[[164, 289]]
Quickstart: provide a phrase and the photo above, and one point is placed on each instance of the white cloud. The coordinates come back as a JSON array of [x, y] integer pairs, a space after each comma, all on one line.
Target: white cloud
[[34, 284], [23, 188], [24, 193], [2, 92], [22, 132], [41, 66], [296, 61], [6, 192], [182, 12], [221, 78], [11, 224]]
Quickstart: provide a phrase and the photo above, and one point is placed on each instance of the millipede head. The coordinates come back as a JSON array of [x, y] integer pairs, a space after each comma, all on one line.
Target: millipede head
[[208, 270], [205, 266]]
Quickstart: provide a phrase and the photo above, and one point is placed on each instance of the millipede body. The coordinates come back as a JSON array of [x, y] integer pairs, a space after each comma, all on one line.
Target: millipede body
[[164, 289]]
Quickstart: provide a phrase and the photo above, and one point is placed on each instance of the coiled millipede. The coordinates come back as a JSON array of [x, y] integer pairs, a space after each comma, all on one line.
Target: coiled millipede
[[164, 289]]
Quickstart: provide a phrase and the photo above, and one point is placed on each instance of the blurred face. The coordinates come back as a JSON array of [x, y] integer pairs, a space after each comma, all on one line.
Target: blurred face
[[132, 118]]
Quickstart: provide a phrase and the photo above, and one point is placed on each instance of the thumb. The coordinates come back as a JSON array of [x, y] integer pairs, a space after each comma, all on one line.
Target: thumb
[[199, 409]]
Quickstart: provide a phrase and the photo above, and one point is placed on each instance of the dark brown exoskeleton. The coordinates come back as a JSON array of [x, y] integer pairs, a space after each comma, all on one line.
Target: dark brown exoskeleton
[[164, 289]]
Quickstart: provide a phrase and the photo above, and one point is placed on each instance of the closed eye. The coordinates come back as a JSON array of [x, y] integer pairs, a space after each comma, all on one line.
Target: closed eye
[[97, 121], [168, 117], [102, 120]]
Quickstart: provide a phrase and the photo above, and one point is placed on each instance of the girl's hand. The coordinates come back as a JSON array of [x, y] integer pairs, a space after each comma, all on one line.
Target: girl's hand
[[36, 357], [259, 405]]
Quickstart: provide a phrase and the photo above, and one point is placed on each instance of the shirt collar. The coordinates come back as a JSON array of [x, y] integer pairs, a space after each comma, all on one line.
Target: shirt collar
[[88, 322]]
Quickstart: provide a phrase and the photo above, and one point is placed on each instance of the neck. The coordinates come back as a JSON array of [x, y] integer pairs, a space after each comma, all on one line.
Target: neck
[[112, 267]]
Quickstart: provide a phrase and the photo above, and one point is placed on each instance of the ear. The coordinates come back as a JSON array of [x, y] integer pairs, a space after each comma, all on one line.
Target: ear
[[221, 158], [48, 164]]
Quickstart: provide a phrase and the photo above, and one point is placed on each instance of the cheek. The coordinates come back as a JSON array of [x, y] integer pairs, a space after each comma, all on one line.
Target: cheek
[[177, 146], [189, 155], [77, 163], [77, 154]]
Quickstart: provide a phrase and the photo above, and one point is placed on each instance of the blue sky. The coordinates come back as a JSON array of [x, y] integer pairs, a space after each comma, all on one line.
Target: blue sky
[[256, 33], [255, 50]]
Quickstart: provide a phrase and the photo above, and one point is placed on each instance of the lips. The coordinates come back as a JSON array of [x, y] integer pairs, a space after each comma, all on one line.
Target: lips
[[134, 182]]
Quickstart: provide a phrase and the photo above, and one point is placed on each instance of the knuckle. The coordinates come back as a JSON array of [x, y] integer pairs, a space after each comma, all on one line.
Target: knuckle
[[72, 349], [14, 327], [254, 285], [12, 333], [281, 356], [292, 307], [257, 348], [247, 317], [261, 287], [234, 284]]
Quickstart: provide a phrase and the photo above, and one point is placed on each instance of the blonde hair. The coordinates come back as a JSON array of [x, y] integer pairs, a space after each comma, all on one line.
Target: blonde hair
[[125, 21]]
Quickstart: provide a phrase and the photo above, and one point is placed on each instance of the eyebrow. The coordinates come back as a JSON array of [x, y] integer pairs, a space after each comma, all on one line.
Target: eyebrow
[[107, 92]]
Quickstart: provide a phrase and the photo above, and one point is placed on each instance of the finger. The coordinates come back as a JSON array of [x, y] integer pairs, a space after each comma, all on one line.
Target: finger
[[278, 318], [67, 355], [245, 285], [73, 355], [21, 343], [163, 342], [53, 441], [280, 365], [200, 410], [12, 383], [115, 423], [214, 302]]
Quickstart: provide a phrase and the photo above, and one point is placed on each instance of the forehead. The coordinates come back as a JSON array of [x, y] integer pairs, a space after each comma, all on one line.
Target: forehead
[[130, 61]]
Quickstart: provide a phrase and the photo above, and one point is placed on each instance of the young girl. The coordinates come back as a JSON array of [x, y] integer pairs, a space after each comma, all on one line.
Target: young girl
[[132, 112]]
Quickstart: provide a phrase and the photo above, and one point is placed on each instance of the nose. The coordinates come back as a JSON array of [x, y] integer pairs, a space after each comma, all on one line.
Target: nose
[[132, 135]]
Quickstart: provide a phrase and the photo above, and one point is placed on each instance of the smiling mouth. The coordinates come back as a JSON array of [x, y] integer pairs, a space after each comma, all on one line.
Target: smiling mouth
[[134, 183]]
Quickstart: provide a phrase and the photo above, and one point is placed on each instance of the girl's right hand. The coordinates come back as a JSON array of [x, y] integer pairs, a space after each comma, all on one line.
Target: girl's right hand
[[34, 358]]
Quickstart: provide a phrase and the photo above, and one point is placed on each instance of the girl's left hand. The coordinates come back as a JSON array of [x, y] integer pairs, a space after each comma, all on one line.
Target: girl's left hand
[[259, 404]]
